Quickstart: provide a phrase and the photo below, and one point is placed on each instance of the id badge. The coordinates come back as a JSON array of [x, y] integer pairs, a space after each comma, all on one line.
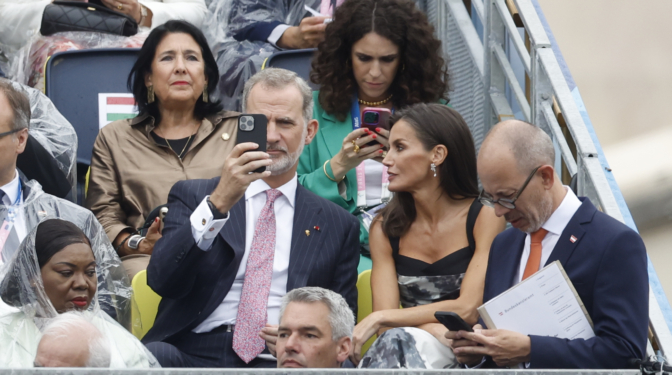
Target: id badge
[[5, 230]]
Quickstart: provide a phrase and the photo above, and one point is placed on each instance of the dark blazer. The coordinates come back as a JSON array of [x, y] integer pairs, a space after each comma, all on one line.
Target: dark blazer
[[193, 282], [608, 266]]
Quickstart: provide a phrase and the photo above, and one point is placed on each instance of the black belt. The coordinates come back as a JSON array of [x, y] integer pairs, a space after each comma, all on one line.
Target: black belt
[[224, 328]]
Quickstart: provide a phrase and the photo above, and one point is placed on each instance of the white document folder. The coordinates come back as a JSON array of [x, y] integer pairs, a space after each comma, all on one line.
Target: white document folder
[[544, 304]]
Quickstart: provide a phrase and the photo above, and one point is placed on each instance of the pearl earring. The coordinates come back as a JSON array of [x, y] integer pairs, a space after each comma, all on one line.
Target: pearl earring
[[433, 168]]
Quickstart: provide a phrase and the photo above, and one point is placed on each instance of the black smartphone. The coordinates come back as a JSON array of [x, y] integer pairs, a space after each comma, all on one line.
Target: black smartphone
[[452, 321], [252, 128]]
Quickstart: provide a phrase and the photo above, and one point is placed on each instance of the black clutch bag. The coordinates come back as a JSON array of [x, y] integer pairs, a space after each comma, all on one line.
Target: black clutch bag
[[78, 16]]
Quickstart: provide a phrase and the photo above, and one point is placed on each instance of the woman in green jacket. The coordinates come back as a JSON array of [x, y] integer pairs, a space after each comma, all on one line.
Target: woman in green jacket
[[376, 54]]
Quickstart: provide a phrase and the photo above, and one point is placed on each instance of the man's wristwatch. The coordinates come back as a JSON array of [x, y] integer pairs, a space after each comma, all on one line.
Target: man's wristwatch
[[215, 212], [134, 241]]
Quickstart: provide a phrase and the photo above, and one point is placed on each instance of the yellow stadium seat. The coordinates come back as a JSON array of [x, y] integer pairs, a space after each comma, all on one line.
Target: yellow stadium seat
[[144, 305], [364, 302], [86, 181]]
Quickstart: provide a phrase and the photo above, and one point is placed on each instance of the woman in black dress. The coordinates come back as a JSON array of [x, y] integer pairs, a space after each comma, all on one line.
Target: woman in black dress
[[430, 245]]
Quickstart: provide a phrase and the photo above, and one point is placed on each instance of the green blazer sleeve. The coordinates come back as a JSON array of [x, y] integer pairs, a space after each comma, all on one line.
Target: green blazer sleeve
[[325, 145]]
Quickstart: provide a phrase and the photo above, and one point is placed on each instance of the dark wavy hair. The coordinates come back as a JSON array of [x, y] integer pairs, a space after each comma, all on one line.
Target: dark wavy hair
[[143, 66], [435, 124], [422, 76]]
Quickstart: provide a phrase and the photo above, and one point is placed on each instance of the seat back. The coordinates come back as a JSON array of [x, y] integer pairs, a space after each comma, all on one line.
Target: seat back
[[144, 305], [364, 302], [75, 78], [298, 61]]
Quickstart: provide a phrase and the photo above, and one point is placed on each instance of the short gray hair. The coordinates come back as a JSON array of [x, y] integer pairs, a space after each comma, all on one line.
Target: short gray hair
[[341, 318], [19, 102], [64, 325], [276, 78]]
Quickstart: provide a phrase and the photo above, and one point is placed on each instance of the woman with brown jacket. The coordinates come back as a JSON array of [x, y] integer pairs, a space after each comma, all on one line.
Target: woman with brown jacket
[[179, 134]]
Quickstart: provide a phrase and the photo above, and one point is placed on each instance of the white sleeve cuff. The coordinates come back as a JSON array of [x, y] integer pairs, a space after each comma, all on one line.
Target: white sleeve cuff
[[204, 228], [276, 34]]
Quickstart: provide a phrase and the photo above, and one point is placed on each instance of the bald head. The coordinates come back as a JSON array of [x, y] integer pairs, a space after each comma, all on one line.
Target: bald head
[[526, 144], [516, 164], [71, 340]]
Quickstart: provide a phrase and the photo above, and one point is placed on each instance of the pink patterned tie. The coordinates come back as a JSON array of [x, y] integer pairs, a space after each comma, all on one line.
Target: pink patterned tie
[[257, 285]]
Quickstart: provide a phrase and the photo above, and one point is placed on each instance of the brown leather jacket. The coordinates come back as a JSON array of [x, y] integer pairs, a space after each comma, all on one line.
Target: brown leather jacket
[[131, 174]]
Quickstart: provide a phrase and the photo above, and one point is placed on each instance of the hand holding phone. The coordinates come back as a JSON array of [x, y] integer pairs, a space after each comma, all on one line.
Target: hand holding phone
[[252, 128], [452, 321], [246, 162], [373, 118]]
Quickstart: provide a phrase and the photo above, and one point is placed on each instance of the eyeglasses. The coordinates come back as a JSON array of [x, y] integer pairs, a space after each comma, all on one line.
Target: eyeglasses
[[10, 132], [487, 200]]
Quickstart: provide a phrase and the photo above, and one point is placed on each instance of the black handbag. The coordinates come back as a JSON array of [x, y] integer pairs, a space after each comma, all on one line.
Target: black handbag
[[78, 16]]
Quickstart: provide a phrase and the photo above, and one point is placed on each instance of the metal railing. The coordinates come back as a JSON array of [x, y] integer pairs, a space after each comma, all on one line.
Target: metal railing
[[486, 88], [255, 371]]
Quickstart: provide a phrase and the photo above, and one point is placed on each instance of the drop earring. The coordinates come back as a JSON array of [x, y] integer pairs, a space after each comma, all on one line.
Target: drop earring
[[205, 93], [150, 94], [433, 168]]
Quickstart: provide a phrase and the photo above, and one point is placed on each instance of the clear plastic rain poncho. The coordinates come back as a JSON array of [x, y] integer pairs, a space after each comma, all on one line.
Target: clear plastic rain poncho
[[114, 288], [54, 133], [238, 61], [27, 64], [25, 310]]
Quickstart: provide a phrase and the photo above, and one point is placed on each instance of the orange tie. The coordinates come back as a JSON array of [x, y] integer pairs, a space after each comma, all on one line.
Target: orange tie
[[533, 262]]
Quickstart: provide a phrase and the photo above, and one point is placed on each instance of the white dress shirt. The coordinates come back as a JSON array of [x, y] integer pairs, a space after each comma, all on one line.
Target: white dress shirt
[[11, 193], [255, 199], [554, 225]]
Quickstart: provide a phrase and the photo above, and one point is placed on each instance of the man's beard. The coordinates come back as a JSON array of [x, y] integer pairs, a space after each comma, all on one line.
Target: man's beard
[[284, 162], [543, 213]]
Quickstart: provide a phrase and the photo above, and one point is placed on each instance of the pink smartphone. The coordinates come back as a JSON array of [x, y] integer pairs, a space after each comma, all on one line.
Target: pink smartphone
[[373, 118]]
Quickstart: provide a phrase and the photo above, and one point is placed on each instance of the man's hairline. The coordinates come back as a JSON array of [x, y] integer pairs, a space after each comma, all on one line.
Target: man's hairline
[[11, 110], [277, 88], [311, 303]]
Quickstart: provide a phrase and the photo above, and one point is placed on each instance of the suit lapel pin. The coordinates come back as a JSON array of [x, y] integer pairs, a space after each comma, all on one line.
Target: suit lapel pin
[[307, 233], [316, 228], [572, 239]]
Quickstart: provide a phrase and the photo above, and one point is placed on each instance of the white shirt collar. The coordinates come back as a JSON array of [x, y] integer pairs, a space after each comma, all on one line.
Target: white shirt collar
[[11, 190], [563, 214], [260, 186]]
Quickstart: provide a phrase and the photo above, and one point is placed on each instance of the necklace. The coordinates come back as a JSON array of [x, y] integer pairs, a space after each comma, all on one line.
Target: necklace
[[375, 104], [171, 148], [183, 148]]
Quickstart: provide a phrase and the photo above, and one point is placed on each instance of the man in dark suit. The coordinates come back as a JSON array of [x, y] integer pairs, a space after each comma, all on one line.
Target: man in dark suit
[[604, 259], [223, 264]]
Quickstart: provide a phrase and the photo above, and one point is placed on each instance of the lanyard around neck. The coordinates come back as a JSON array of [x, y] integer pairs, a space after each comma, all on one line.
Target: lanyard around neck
[[11, 213]]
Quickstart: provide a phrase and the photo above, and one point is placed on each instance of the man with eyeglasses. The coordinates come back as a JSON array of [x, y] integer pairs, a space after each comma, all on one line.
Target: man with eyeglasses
[[604, 259]]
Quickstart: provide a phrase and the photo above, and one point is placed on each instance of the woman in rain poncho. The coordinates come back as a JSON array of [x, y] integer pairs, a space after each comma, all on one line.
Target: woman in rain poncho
[[53, 271]]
